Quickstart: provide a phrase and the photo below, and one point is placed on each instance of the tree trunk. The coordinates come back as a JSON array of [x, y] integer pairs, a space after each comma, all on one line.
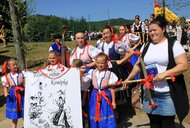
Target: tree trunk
[[17, 34]]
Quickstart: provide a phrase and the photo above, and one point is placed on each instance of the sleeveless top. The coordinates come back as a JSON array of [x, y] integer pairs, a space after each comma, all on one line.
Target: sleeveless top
[[104, 81], [84, 56], [12, 82], [112, 52]]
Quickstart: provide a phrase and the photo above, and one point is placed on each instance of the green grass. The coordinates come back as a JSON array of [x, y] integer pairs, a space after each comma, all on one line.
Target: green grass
[[37, 52]]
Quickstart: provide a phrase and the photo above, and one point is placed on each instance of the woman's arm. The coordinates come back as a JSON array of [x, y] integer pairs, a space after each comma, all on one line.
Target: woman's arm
[[134, 72], [126, 57], [181, 66]]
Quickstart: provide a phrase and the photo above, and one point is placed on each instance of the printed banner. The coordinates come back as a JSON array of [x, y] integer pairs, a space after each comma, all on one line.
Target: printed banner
[[53, 99]]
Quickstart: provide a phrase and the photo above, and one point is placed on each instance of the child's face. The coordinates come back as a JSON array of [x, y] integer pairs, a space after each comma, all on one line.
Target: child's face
[[12, 66], [57, 40], [122, 30], [52, 58], [101, 63]]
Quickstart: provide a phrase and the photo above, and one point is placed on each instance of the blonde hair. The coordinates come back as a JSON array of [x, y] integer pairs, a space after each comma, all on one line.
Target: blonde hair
[[102, 55], [7, 64], [77, 63], [53, 52], [46, 62]]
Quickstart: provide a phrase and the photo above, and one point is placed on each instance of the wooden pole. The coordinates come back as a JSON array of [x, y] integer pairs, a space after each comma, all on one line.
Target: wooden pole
[[63, 45], [134, 81]]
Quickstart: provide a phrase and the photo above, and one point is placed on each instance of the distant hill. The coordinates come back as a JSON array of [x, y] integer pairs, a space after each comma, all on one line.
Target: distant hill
[[41, 27], [113, 22]]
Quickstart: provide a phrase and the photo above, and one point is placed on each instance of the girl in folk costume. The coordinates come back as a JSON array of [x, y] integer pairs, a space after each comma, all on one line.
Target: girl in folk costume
[[84, 51], [53, 62], [13, 83], [102, 101]]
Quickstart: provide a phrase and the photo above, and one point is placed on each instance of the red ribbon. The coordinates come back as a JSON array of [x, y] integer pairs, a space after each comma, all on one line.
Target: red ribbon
[[118, 82], [17, 92], [152, 106], [100, 94], [4, 67], [37, 69], [172, 78], [137, 53], [84, 114], [148, 81]]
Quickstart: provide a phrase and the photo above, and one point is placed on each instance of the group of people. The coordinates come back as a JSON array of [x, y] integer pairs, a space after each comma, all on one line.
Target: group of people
[[116, 57], [180, 32]]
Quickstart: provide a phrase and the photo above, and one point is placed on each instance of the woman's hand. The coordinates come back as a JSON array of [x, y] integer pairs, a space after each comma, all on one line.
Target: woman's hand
[[113, 104], [125, 84], [160, 77]]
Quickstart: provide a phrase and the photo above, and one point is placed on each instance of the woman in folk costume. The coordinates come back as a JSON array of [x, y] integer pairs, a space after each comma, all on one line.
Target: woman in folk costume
[[84, 51], [13, 83], [111, 46], [102, 100]]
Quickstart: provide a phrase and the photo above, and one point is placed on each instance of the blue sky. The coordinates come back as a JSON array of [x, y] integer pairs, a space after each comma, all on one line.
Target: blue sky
[[97, 9]]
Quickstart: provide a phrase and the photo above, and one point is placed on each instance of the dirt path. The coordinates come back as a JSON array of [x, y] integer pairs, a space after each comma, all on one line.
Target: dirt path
[[139, 120]]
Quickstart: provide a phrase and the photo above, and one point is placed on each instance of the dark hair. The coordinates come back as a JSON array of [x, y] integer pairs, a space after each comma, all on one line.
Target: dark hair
[[108, 27], [128, 27], [152, 15], [161, 22], [137, 16], [57, 36], [137, 19], [146, 20], [122, 25]]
